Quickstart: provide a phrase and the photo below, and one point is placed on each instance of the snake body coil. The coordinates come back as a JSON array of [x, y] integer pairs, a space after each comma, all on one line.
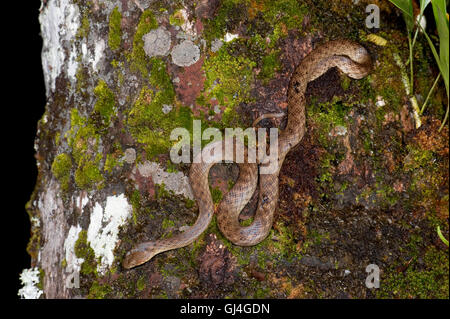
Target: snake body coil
[[352, 59]]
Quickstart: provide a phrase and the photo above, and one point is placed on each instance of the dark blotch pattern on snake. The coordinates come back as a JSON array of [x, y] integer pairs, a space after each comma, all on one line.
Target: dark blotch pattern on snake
[[352, 59]]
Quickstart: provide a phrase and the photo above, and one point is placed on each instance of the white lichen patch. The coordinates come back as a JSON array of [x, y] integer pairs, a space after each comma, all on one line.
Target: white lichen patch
[[130, 155], [340, 130], [60, 20], [72, 63], [187, 26], [166, 108], [157, 42], [103, 230], [29, 279], [185, 54], [99, 54], [380, 101], [230, 37], [35, 222], [73, 263], [176, 182]]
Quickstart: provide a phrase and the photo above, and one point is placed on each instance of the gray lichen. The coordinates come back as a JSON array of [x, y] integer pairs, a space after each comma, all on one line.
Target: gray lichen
[[130, 155], [157, 42], [185, 54]]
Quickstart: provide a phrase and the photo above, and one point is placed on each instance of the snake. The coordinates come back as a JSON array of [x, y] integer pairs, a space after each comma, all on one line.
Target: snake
[[349, 57]]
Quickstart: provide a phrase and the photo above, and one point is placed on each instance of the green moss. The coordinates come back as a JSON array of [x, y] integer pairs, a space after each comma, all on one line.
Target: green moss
[[99, 291], [162, 82], [387, 194], [81, 76], [115, 158], [115, 63], [135, 201], [167, 223], [139, 60], [161, 192], [386, 81], [171, 167], [84, 250], [61, 168], [189, 203], [57, 138], [140, 284], [229, 79], [230, 184], [83, 30], [246, 222], [325, 179], [425, 282], [216, 195], [112, 161], [34, 244], [268, 252], [270, 65], [146, 120], [84, 140], [317, 238], [40, 284], [115, 32], [176, 19], [229, 13], [88, 173], [105, 102], [262, 292], [330, 114], [78, 134], [417, 158], [345, 82], [288, 12], [286, 246]]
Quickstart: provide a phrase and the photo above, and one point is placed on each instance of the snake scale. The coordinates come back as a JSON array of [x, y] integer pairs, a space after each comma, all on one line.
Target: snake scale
[[352, 59]]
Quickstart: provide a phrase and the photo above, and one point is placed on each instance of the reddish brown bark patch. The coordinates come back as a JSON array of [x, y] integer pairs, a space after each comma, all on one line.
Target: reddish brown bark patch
[[145, 184], [190, 82], [217, 264]]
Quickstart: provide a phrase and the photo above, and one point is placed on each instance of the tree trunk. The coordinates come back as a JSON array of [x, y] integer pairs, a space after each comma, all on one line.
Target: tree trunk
[[120, 75]]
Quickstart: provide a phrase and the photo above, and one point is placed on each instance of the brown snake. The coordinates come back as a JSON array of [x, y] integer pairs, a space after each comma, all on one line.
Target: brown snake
[[352, 59]]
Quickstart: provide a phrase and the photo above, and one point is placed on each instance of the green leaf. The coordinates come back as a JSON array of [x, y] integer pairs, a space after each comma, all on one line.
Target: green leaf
[[407, 8], [423, 5], [440, 14], [445, 241], [442, 68]]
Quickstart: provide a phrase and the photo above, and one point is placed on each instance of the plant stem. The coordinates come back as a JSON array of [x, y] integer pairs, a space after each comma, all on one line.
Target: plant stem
[[415, 35], [445, 241], [429, 93], [417, 29], [445, 118], [411, 84]]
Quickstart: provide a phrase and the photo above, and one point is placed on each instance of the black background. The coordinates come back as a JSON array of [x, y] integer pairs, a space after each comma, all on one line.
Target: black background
[[21, 109]]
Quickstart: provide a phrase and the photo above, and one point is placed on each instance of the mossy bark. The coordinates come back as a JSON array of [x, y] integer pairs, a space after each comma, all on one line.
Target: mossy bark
[[365, 186]]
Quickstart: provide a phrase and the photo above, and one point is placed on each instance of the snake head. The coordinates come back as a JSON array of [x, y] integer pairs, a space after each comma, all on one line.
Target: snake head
[[139, 255]]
